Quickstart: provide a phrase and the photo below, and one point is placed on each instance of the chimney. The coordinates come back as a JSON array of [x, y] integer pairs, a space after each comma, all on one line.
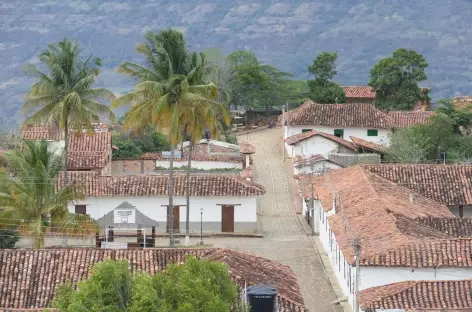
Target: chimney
[[412, 198]]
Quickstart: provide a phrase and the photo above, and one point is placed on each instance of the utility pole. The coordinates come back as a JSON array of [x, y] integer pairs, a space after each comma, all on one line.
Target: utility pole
[[357, 247]]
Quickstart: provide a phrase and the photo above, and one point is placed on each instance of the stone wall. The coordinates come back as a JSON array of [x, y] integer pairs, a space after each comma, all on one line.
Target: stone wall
[[133, 166]]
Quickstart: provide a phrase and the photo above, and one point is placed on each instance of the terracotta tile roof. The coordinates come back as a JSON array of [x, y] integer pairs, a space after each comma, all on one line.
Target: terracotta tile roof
[[367, 145], [300, 161], [405, 119], [419, 296], [340, 115], [247, 148], [93, 184], [447, 184], [89, 151], [363, 92], [199, 157], [294, 139], [41, 132], [456, 227], [366, 207], [28, 278]]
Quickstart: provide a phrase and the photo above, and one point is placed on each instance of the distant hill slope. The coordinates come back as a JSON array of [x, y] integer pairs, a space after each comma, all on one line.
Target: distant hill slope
[[287, 34]]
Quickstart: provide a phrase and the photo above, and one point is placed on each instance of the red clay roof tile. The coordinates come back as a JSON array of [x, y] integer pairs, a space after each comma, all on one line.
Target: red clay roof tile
[[359, 92], [28, 278], [93, 184], [339, 115], [367, 145], [419, 296], [408, 119]]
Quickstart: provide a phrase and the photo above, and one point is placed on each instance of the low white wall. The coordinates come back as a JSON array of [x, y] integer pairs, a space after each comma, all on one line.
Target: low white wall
[[204, 165], [245, 209], [317, 168]]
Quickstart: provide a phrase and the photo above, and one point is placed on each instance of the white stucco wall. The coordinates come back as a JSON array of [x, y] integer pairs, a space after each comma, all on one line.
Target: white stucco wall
[[245, 209], [317, 168], [56, 146], [318, 145], [374, 276], [205, 165], [383, 136]]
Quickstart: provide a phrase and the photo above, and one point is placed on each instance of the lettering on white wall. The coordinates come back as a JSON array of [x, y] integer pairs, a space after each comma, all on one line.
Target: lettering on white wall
[[124, 216]]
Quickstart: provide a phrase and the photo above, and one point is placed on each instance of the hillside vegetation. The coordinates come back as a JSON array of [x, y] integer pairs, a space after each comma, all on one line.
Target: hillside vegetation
[[286, 34]]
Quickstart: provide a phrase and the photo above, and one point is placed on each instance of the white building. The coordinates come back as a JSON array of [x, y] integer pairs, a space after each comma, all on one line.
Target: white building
[[316, 164], [403, 236], [343, 120], [225, 203], [317, 143]]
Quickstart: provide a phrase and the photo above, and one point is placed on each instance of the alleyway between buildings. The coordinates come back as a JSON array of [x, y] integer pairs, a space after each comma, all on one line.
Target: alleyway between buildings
[[284, 240]]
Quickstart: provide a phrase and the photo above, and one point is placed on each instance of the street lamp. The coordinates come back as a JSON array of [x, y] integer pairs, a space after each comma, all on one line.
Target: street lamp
[[201, 226]]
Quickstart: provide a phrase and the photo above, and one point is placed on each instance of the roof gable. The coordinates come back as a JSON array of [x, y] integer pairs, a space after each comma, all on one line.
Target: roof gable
[[340, 115], [359, 92], [368, 145], [294, 139]]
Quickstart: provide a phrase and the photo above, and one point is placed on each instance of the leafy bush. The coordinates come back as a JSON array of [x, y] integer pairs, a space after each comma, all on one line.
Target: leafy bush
[[197, 285], [8, 238]]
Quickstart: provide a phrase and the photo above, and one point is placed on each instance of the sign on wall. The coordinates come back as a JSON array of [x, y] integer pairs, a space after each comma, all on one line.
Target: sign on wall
[[124, 216]]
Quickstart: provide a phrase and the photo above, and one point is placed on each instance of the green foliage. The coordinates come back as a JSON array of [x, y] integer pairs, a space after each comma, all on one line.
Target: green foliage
[[322, 89], [197, 285], [30, 199], [8, 238], [127, 148], [424, 143], [461, 119], [231, 139], [132, 147], [396, 79]]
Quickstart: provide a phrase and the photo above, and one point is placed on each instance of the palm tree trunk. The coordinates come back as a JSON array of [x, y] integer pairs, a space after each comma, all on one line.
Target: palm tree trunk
[[171, 196], [66, 145], [189, 168]]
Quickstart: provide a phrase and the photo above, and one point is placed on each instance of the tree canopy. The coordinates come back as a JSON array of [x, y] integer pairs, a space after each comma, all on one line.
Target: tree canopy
[[196, 285], [323, 89], [424, 143], [396, 79]]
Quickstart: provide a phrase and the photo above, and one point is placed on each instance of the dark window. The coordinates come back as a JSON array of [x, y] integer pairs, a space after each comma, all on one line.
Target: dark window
[[339, 133], [81, 209], [372, 132], [461, 211], [306, 130]]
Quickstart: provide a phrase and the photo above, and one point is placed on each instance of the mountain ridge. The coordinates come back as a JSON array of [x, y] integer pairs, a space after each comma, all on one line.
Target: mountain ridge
[[285, 34]]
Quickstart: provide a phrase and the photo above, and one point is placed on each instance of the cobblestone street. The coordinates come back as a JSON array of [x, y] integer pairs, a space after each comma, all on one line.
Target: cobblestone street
[[284, 239]]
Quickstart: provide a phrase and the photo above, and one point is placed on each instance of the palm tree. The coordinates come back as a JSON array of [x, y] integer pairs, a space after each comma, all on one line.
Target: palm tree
[[29, 198], [64, 96], [167, 57], [170, 106]]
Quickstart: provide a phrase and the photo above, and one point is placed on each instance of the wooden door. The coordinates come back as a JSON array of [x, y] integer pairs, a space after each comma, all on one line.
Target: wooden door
[[176, 212], [227, 218]]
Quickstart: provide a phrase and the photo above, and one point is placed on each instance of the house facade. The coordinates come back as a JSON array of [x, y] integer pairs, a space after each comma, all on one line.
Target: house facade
[[219, 203], [313, 142], [342, 120], [402, 235]]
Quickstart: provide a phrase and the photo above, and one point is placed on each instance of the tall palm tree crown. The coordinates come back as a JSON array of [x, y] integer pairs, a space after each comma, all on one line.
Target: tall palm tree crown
[[29, 198], [63, 96]]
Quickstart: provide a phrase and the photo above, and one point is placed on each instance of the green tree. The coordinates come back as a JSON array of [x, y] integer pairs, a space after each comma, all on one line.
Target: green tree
[[323, 89], [8, 238], [171, 72], [197, 285], [63, 97], [127, 148], [29, 199], [461, 119], [396, 79]]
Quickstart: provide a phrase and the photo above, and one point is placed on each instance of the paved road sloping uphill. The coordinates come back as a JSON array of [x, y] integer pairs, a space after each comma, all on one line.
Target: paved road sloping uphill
[[284, 239]]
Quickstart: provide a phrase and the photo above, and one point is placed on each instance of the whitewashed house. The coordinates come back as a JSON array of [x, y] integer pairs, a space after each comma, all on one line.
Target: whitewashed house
[[317, 143], [342, 120], [316, 164], [402, 236], [226, 203]]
